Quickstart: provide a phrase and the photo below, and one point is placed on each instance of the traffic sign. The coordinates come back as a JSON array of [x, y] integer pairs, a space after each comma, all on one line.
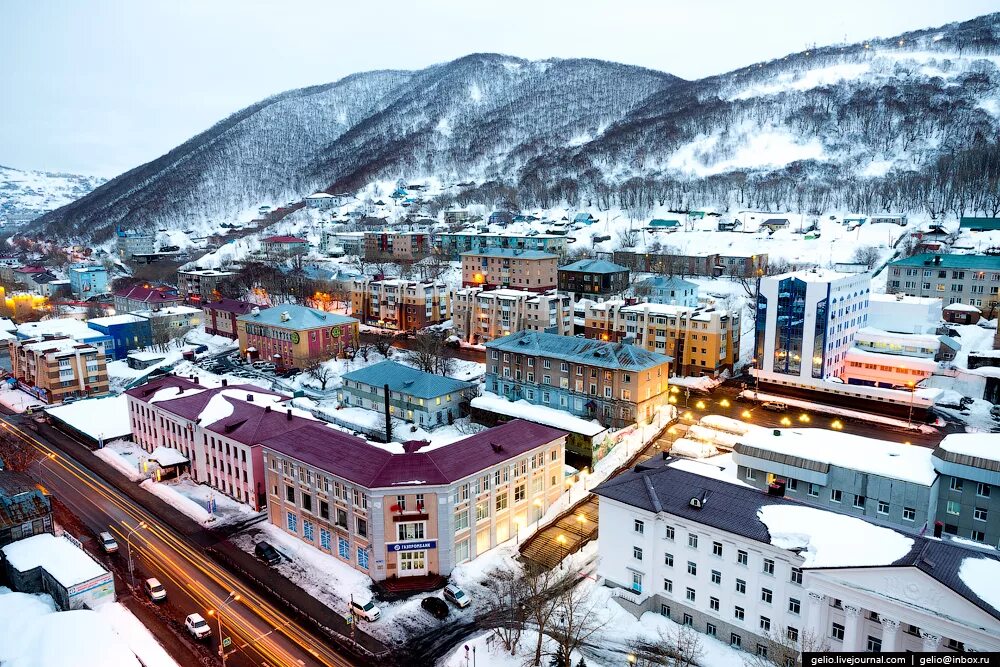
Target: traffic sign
[[227, 642], [349, 619]]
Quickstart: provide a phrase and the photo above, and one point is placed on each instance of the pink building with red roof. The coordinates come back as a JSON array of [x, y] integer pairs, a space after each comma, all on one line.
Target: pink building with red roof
[[145, 297], [411, 509], [284, 245]]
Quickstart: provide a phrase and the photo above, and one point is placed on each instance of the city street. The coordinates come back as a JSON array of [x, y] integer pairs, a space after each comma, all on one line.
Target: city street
[[260, 633]]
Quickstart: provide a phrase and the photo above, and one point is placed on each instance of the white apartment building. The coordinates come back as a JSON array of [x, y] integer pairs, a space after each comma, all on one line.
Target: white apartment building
[[772, 576], [483, 315], [806, 322]]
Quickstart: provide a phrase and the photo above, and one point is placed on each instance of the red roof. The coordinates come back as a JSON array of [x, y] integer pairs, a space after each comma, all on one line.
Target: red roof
[[147, 294], [372, 467], [30, 269], [229, 306], [283, 239]]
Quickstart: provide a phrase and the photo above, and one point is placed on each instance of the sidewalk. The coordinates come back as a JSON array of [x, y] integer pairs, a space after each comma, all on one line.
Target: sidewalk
[[292, 599]]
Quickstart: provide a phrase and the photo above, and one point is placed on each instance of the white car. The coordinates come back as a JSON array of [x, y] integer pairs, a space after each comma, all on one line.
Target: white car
[[109, 543], [456, 596], [197, 626], [367, 611], [155, 590]]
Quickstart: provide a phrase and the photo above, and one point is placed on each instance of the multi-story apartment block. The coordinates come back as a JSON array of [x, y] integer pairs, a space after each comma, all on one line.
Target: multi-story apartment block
[[87, 280], [668, 290], [973, 280], [593, 277], [145, 297], [396, 246], [532, 270], [198, 285], [342, 243], [218, 429], [698, 264], [701, 341], [68, 327], [749, 568], [413, 513], [453, 244], [57, 368], [806, 322], [280, 247], [220, 316], [295, 336], [616, 383], [134, 242], [968, 503], [401, 305], [415, 396], [481, 315]]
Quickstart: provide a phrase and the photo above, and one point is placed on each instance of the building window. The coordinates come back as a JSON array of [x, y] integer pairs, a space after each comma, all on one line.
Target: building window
[[501, 502], [909, 514], [668, 533], [692, 540], [750, 474], [765, 624], [638, 526], [738, 613], [742, 557], [665, 610], [710, 629], [713, 604], [794, 606], [768, 567], [290, 494], [343, 548], [761, 648], [324, 538], [874, 644], [362, 558], [796, 577], [482, 510], [692, 568], [953, 507], [836, 495], [307, 530], [766, 595], [813, 490], [883, 507], [735, 640], [688, 620], [668, 560], [668, 586], [689, 594], [955, 484], [362, 527], [717, 549], [716, 577], [792, 633], [741, 586], [637, 553], [983, 490], [637, 582], [837, 632], [978, 536], [292, 523], [410, 531], [859, 502]]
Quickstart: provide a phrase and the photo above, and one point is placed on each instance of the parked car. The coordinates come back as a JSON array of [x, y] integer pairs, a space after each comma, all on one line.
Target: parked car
[[289, 372], [155, 590], [367, 611], [108, 542], [774, 406], [197, 626], [264, 365], [267, 553], [436, 607], [456, 596]]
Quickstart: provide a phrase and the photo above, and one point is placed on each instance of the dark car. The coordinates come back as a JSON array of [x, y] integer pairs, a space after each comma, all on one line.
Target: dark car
[[436, 607], [267, 553], [289, 372]]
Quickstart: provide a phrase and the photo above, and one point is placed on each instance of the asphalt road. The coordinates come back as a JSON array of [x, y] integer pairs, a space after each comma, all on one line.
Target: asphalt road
[[261, 633]]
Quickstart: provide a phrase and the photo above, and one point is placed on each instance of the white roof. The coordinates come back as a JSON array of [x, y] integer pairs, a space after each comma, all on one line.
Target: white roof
[[61, 326], [169, 310], [962, 307], [979, 445], [146, 356], [60, 346], [167, 456], [7, 325], [206, 272], [903, 298], [98, 418], [320, 195], [894, 360], [815, 275], [873, 334], [115, 319], [63, 560], [537, 413], [877, 457]]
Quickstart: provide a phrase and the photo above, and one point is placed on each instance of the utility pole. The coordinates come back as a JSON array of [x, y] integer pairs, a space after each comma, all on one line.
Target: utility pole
[[388, 413]]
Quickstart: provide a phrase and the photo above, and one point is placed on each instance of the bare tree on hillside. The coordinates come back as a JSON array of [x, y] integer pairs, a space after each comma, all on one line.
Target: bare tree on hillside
[[321, 372], [383, 345], [868, 255], [575, 621], [504, 607], [430, 353]]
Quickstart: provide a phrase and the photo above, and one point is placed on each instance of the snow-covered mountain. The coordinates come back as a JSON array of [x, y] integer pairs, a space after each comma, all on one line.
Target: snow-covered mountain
[[903, 123], [31, 193]]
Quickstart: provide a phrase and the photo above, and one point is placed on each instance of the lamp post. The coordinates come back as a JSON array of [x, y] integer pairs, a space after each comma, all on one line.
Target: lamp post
[[909, 416], [233, 597], [562, 541], [128, 544]]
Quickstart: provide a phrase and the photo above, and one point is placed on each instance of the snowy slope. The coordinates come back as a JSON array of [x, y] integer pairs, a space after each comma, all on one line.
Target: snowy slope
[[35, 192], [892, 124]]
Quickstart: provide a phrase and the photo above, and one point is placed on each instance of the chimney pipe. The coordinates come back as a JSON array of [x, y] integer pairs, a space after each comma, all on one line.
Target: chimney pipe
[[267, 408], [225, 382], [289, 414], [388, 413], [249, 398]]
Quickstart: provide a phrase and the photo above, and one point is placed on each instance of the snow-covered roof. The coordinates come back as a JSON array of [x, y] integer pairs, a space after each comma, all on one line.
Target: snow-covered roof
[[63, 560], [977, 445], [168, 310], [539, 414], [97, 418], [814, 275], [880, 335], [846, 450], [113, 320], [61, 326], [167, 456], [961, 308], [903, 298], [894, 360]]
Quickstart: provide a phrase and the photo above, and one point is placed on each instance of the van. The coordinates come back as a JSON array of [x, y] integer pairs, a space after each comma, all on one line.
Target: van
[[109, 543]]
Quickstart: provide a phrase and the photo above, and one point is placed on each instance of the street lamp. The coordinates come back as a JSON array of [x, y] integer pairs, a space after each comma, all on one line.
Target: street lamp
[[785, 421], [724, 403], [804, 418], [836, 425], [562, 541], [128, 544], [746, 414], [233, 597], [913, 391], [700, 405]]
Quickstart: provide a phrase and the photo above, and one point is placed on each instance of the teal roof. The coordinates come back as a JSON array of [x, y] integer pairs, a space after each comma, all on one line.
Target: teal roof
[[579, 350], [594, 266], [510, 252], [299, 317], [663, 282], [660, 222], [979, 223], [988, 262], [407, 380]]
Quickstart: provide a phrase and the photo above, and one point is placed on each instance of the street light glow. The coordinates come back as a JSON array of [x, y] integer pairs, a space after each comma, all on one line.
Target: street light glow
[[836, 425], [785, 421], [700, 405], [724, 402], [746, 414], [804, 418]]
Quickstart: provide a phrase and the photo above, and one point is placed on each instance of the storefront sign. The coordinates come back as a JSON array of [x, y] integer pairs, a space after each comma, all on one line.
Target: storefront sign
[[411, 546]]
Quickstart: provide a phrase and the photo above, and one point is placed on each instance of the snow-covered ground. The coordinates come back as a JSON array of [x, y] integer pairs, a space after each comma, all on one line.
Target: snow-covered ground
[[34, 634], [17, 400]]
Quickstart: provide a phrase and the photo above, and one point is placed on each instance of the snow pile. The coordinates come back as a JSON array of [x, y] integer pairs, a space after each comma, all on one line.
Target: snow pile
[[192, 499], [721, 467], [123, 456], [703, 383], [538, 414], [178, 501], [982, 576], [17, 400], [692, 449], [828, 539], [97, 418]]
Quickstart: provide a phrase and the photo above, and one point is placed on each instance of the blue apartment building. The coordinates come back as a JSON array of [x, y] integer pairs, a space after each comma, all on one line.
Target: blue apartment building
[[127, 332], [86, 280]]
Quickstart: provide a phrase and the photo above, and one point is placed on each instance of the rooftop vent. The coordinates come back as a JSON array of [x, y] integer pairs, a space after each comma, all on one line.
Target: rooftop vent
[[255, 311], [285, 316], [225, 382], [267, 408], [497, 447], [289, 416], [249, 398]]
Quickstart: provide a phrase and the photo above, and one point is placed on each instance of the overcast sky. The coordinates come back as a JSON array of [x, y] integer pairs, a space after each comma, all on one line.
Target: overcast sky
[[100, 86]]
